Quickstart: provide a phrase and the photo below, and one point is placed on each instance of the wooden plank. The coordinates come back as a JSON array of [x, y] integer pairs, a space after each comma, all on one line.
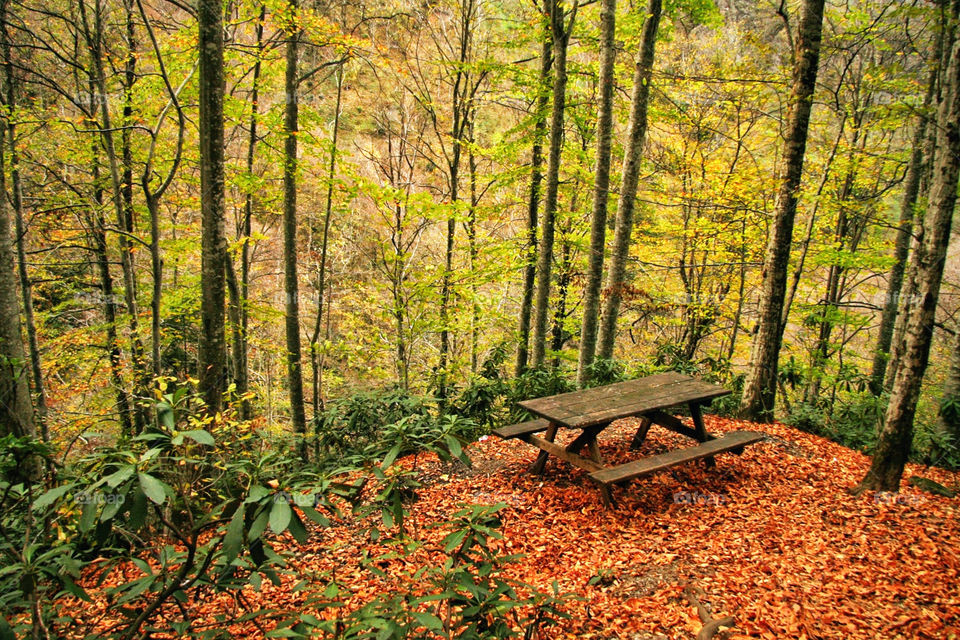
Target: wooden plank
[[548, 447], [643, 387], [585, 408], [517, 430], [641, 433], [541, 461], [568, 403], [630, 470], [637, 407], [585, 438]]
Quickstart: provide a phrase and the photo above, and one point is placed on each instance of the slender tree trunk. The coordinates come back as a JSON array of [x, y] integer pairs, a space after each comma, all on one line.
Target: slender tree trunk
[[759, 394], [241, 290], [896, 436], [291, 286], [911, 191], [533, 201], [108, 298], [16, 408], [561, 37], [559, 334], [26, 286], [472, 248], [623, 229], [324, 242], [212, 348], [124, 215], [601, 194]]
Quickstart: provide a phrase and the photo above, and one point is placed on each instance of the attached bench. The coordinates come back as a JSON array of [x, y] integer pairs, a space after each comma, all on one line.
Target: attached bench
[[522, 429], [734, 441]]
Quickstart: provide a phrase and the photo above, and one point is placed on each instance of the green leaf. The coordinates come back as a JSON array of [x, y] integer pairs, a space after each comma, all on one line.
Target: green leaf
[[88, 516], [315, 515], [259, 525], [454, 540], [138, 509], [428, 620], [390, 457], [280, 515], [51, 496], [297, 530], [200, 436], [152, 488], [73, 589], [166, 415], [114, 480], [454, 445], [233, 539]]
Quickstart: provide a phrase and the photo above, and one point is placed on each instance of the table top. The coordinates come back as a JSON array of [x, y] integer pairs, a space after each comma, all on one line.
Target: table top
[[589, 407]]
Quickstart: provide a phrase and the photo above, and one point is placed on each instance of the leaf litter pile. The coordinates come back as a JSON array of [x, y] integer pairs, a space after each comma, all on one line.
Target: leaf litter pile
[[771, 538]]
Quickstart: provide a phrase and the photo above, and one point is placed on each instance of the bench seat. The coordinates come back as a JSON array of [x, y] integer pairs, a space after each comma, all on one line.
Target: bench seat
[[733, 441], [521, 429]]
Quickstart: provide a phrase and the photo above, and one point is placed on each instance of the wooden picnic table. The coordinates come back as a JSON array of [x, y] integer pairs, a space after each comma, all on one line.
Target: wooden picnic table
[[592, 410]]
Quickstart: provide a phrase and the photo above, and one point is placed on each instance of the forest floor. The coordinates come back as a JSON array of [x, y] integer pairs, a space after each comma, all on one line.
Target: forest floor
[[771, 537]]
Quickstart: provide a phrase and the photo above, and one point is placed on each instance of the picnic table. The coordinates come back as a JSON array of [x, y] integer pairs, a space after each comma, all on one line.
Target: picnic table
[[592, 410]]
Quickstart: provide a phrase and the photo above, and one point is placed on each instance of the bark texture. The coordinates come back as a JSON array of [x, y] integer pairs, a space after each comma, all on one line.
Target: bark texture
[[290, 284], [601, 193], [617, 276], [561, 37], [533, 200], [16, 410], [896, 436], [212, 349], [760, 389], [901, 249]]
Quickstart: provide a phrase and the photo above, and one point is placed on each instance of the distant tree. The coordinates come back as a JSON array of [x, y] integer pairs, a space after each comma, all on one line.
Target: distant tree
[[760, 389], [212, 349], [290, 283], [540, 103], [623, 231], [16, 408], [16, 200], [896, 435], [601, 193]]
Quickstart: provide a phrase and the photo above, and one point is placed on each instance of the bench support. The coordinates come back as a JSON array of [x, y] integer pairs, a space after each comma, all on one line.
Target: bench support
[[548, 438]]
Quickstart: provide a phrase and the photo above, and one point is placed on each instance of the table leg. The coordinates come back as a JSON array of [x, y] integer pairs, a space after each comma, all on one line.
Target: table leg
[[701, 430], [594, 449], [541, 461], [641, 433], [588, 439]]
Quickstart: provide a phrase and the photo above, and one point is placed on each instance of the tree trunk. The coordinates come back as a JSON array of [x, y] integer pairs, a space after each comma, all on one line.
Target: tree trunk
[[533, 201], [26, 286], [291, 286], [760, 390], [322, 271], [473, 250], [212, 349], [241, 372], [601, 194], [123, 209], [561, 37], [16, 408], [896, 436], [623, 230], [911, 191]]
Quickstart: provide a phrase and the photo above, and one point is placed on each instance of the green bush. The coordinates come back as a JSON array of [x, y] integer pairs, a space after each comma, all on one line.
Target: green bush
[[348, 425]]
